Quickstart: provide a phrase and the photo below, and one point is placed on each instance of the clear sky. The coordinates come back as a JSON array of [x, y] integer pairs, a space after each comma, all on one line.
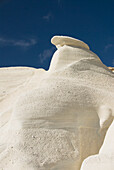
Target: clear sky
[[26, 27]]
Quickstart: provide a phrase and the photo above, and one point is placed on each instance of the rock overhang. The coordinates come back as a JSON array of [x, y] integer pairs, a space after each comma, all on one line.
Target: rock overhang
[[60, 41]]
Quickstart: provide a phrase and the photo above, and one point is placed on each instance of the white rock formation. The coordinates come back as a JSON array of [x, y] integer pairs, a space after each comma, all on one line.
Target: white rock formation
[[105, 159], [50, 120]]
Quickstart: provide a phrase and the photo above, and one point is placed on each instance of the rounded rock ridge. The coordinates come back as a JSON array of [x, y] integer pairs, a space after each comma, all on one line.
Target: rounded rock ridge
[[60, 41]]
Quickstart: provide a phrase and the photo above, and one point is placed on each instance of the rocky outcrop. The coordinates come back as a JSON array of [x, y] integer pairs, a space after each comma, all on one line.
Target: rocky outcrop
[[53, 120], [105, 159]]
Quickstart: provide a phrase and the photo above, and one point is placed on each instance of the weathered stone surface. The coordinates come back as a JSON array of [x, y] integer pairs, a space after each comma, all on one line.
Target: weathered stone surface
[[105, 159], [50, 120]]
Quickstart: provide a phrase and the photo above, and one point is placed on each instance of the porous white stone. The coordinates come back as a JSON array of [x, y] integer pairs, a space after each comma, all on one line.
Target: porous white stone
[[105, 159], [50, 120]]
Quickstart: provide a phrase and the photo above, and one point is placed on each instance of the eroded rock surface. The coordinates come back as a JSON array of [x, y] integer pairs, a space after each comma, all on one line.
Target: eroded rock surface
[[105, 159], [50, 120]]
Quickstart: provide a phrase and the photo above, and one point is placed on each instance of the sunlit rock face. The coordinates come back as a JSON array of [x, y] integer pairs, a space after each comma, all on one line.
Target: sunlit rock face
[[53, 120], [105, 159], [111, 68]]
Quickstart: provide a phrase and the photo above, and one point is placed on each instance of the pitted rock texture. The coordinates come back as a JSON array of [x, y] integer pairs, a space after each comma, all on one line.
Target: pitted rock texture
[[53, 120]]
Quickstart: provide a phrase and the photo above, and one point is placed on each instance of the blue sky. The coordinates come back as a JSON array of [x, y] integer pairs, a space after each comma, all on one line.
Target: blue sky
[[26, 27]]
